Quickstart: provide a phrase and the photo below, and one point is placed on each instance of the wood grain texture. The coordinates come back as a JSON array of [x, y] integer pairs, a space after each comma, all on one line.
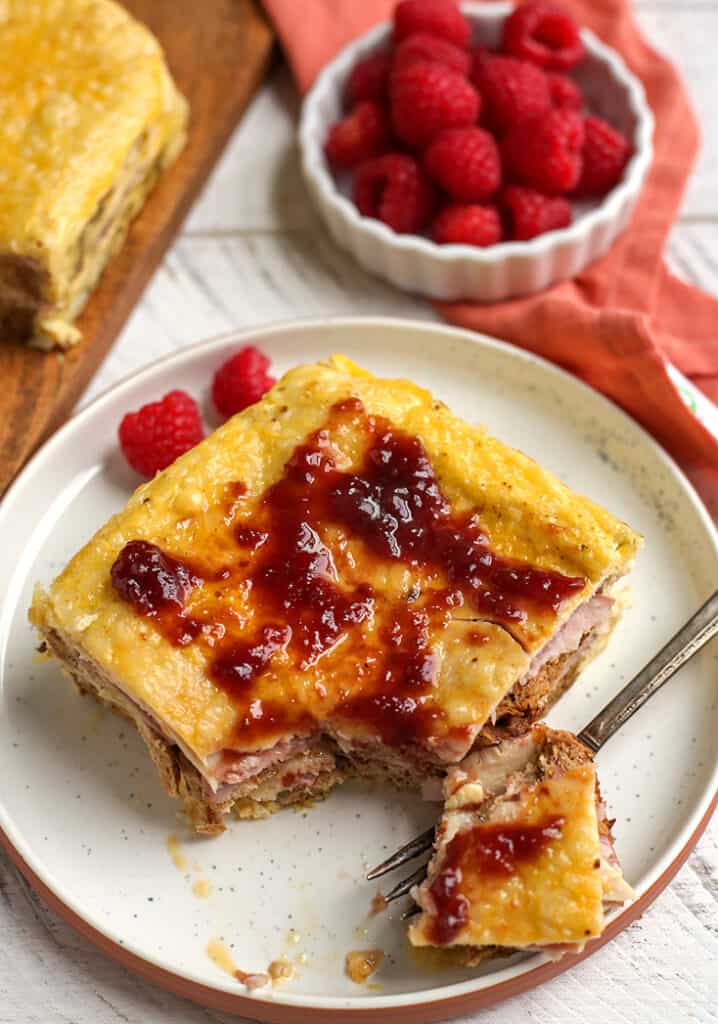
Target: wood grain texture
[[252, 251], [217, 60]]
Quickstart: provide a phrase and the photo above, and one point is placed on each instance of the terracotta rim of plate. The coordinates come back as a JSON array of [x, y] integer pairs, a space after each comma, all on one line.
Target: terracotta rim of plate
[[412, 1013]]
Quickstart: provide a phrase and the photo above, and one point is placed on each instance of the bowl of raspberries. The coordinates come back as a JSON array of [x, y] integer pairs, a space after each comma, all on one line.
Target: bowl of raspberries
[[476, 151]]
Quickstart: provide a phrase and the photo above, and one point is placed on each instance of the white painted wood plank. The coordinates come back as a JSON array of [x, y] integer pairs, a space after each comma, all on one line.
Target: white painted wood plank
[[697, 6], [208, 286], [693, 254], [687, 35]]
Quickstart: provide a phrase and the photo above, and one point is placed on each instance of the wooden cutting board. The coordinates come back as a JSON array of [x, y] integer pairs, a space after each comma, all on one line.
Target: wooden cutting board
[[218, 51]]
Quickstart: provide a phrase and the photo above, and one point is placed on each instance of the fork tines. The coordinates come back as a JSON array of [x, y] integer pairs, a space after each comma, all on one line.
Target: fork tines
[[414, 848], [405, 885]]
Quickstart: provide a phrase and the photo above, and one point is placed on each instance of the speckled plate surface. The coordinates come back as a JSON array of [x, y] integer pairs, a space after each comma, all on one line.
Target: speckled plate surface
[[81, 808]]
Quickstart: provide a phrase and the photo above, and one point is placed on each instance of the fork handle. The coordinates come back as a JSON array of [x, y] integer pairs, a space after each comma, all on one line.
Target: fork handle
[[688, 641]]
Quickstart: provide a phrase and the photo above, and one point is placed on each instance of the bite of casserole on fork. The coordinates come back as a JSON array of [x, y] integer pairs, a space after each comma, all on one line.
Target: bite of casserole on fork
[[523, 854]]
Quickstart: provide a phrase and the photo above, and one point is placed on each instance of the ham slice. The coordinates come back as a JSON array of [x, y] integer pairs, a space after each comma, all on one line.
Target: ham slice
[[592, 613]]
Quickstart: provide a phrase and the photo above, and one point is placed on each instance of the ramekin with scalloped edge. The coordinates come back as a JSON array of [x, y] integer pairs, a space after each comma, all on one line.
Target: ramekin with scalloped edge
[[501, 271]]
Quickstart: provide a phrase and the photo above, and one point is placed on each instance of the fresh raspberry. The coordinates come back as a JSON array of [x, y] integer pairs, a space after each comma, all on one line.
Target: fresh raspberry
[[545, 153], [512, 90], [466, 163], [364, 133], [605, 154], [369, 79], [396, 190], [545, 34], [565, 94], [435, 17], [241, 381], [480, 53], [427, 99], [467, 225], [425, 49], [158, 433], [529, 213]]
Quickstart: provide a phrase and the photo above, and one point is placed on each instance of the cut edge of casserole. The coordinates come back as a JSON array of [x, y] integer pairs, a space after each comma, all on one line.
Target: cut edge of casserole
[[301, 770], [87, 627]]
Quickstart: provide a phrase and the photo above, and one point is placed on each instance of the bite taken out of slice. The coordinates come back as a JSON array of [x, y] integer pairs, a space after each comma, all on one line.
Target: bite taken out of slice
[[523, 856], [344, 578]]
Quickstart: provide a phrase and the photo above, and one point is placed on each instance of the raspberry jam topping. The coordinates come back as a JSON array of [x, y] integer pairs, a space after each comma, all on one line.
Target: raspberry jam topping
[[399, 704], [488, 851], [396, 506], [295, 592], [151, 580]]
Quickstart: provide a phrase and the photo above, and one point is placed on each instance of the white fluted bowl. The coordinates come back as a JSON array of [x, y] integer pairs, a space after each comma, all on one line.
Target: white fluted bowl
[[502, 271]]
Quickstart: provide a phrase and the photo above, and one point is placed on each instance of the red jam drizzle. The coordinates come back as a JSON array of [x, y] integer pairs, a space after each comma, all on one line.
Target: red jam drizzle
[[157, 585], [294, 578], [398, 702], [151, 580], [239, 665], [493, 851], [396, 506], [300, 607]]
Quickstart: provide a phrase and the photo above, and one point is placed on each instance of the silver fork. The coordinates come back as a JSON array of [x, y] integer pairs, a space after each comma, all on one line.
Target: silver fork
[[699, 629]]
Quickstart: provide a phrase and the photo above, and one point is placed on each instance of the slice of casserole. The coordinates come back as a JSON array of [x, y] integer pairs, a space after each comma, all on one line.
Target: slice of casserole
[[89, 119], [523, 856], [344, 577]]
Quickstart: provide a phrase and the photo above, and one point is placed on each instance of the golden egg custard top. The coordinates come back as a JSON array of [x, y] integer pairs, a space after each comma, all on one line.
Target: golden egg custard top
[[530, 876], [346, 554], [81, 84]]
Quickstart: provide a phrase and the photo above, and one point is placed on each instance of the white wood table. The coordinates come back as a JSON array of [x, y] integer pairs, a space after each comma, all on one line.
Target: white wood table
[[253, 251]]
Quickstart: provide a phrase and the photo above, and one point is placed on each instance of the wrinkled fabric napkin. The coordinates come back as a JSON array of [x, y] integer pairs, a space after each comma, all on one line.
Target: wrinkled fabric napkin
[[618, 323]]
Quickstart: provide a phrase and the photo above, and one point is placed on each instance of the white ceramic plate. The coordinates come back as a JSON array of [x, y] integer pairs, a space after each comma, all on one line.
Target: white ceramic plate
[[80, 803]]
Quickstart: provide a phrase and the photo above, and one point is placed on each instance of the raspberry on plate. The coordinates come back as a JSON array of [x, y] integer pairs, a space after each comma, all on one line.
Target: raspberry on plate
[[158, 433], [241, 381], [545, 34], [605, 155], [545, 153], [466, 163], [423, 48], [467, 225], [565, 94], [512, 90], [435, 17], [427, 99], [396, 190], [528, 213], [362, 134], [369, 79]]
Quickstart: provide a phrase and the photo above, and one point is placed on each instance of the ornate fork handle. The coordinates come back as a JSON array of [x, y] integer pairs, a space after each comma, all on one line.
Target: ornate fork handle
[[679, 649]]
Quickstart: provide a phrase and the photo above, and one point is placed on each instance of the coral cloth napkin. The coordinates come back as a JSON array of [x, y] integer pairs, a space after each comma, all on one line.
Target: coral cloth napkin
[[618, 322]]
